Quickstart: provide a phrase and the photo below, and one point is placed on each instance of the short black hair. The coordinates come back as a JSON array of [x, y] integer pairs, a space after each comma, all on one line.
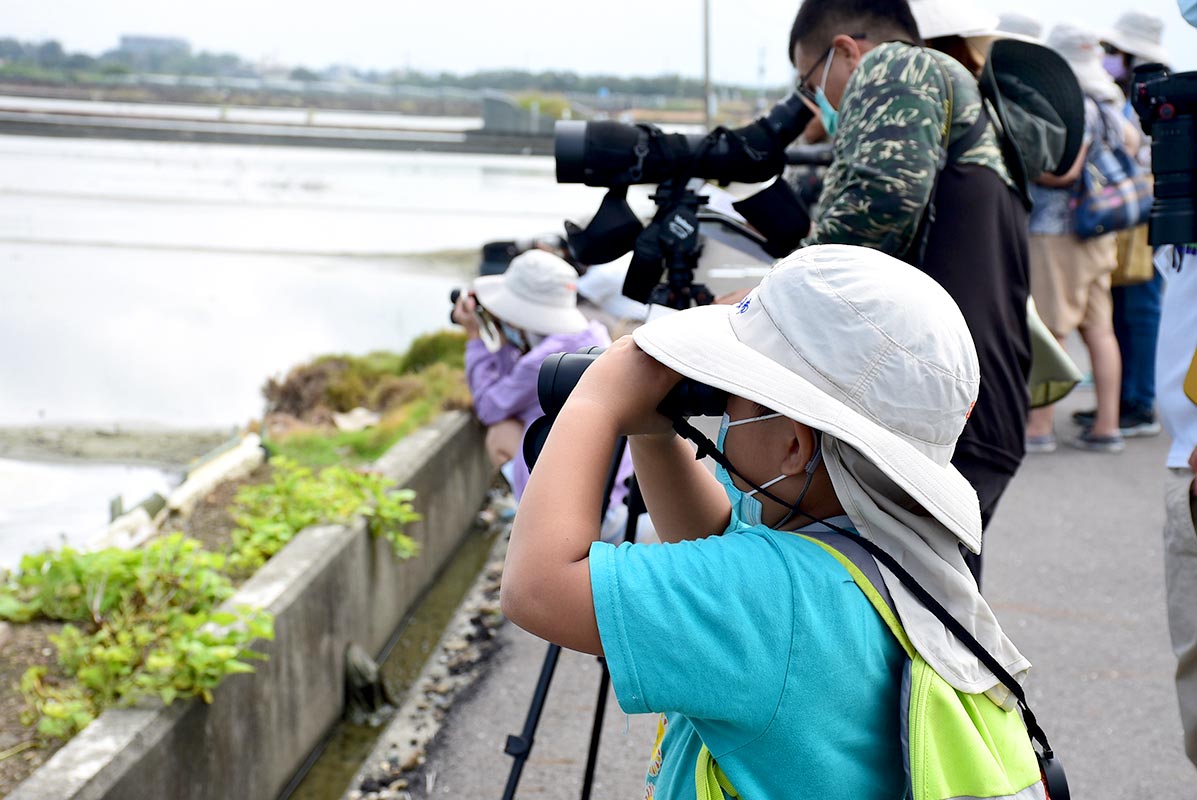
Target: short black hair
[[820, 21]]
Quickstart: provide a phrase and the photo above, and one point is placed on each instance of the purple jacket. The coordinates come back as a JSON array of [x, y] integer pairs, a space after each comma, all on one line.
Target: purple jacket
[[504, 387]]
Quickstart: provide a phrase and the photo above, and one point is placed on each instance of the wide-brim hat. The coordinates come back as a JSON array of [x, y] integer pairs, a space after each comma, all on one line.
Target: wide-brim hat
[[1022, 26], [1040, 104], [854, 343], [938, 18], [1141, 35], [1082, 50], [537, 293]]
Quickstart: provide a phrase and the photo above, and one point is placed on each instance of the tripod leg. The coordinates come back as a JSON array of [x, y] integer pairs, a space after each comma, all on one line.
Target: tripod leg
[[520, 746], [635, 509], [596, 731]]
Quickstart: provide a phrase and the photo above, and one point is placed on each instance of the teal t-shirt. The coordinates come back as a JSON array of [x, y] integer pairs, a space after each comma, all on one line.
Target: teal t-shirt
[[759, 644]]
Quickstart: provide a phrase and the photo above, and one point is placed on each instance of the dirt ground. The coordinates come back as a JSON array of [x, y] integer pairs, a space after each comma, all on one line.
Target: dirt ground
[[21, 647]]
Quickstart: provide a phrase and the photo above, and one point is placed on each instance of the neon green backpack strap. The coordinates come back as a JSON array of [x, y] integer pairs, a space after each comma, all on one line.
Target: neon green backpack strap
[[956, 744], [709, 781]]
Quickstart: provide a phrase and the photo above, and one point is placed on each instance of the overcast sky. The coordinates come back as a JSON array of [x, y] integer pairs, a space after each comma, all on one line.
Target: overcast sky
[[625, 37]]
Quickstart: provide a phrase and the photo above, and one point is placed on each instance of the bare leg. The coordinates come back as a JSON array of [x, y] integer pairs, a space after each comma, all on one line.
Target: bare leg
[[1039, 420], [1107, 377]]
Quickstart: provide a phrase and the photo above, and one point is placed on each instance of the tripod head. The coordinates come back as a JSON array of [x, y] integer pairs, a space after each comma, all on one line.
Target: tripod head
[[669, 246]]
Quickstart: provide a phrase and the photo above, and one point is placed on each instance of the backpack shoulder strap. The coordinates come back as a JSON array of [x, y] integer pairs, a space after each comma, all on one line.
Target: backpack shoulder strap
[[870, 591], [962, 145], [709, 781]]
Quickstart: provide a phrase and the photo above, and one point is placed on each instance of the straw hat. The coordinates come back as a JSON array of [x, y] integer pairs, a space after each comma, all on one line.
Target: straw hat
[[1082, 50], [537, 293], [855, 343], [1141, 35]]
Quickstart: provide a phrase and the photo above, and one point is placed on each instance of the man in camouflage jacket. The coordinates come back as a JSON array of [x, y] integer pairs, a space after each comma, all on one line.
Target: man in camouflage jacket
[[896, 109]]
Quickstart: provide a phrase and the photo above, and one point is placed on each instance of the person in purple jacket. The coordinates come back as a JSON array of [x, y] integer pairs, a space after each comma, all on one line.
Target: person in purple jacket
[[534, 307]]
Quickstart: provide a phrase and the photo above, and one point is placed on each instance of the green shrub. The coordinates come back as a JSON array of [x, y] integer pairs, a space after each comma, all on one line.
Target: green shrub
[[148, 625], [270, 515], [442, 347]]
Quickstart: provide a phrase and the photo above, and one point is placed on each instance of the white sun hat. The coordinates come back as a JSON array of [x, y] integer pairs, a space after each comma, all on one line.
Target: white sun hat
[[1020, 25], [855, 343], [538, 293], [938, 18], [1141, 35], [1082, 50]]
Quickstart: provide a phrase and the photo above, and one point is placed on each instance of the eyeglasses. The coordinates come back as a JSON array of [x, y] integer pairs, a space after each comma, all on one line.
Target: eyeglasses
[[803, 80]]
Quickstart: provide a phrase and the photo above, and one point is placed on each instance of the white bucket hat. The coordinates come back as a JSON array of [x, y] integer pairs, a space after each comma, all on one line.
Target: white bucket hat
[[537, 293], [855, 343], [1020, 25], [1141, 35], [938, 18], [1083, 52]]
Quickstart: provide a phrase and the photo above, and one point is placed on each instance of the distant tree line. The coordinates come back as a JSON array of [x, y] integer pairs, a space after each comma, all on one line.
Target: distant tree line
[[50, 57], [49, 60], [559, 81]]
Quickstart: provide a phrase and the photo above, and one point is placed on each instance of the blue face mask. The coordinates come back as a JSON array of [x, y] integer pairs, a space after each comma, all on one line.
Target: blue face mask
[[514, 337], [831, 117], [1188, 9], [746, 509]]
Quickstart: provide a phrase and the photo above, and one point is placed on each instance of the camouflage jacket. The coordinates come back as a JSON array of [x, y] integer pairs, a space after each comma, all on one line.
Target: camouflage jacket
[[888, 146]]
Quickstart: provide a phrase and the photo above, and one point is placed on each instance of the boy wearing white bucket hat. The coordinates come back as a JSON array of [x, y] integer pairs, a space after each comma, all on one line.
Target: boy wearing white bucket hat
[[849, 376], [534, 307]]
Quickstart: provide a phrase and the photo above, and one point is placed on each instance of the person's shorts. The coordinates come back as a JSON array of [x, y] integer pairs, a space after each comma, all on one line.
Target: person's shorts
[[1070, 281]]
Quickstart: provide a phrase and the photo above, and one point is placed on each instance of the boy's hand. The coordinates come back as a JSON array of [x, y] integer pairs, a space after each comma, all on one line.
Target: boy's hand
[[629, 385], [463, 315]]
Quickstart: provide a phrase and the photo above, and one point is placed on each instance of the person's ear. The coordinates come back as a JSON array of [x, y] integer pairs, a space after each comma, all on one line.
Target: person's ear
[[800, 449], [848, 49]]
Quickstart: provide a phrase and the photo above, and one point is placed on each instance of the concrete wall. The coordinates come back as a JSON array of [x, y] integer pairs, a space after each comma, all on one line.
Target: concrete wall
[[332, 585]]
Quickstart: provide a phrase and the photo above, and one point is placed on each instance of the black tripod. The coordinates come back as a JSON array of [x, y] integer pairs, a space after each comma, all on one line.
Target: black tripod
[[519, 746]]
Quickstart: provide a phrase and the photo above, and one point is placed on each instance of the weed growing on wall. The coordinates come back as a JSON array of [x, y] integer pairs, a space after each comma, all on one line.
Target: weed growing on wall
[[270, 515], [141, 622], [148, 622]]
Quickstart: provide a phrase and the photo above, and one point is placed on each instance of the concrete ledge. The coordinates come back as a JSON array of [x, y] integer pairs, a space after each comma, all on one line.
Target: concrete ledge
[[332, 585]]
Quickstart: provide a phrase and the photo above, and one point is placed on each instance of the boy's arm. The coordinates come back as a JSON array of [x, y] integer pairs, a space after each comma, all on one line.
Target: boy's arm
[[682, 496], [546, 580]]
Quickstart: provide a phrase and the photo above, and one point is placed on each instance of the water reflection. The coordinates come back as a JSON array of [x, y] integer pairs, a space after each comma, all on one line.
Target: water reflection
[[47, 505]]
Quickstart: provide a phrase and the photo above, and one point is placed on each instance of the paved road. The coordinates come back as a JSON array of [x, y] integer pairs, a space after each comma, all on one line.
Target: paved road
[[1075, 572]]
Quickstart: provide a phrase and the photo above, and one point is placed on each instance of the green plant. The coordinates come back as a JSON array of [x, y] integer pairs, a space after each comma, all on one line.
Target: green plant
[[442, 387], [442, 347], [149, 624], [271, 514]]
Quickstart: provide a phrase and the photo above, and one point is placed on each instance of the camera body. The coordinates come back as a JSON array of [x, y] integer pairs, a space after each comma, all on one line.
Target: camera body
[[489, 330], [1167, 108]]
